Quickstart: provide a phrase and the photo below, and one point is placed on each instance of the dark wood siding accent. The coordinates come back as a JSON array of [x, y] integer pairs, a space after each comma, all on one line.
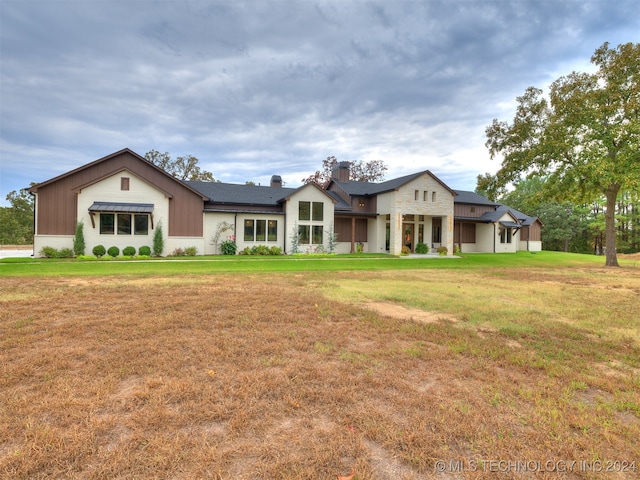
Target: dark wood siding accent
[[57, 199], [370, 205], [467, 233], [464, 210], [342, 226]]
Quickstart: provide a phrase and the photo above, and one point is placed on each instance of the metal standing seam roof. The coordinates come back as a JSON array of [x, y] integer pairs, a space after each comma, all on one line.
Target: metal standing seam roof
[[118, 207]]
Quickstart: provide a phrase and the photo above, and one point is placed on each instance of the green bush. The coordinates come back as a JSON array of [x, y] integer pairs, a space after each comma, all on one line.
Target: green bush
[[78, 240], [442, 250], [144, 251], [275, 250], [422, 248], [65, 253], [228, 247], [113, 251], [49, 252], [99, 251], [191, 251], [129, 251], [158, 240]]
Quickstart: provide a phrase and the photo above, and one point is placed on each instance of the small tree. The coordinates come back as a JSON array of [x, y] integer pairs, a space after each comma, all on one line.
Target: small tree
[[332, 238], [78, 241], [295, 239], [158, 240]]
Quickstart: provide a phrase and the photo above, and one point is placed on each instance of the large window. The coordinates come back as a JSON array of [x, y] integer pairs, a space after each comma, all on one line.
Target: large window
[[303, 233], [311, 211], [317, 235], [249, 231], [260, 230], [272, 232], [317, 211], [141, 224], [106, 223], [124, 224], [304, 210], [505, 235]]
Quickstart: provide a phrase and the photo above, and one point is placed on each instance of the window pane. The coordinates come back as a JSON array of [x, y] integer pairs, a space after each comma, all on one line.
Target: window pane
[[318, 211], [106, 223], [124, 224], [141, 224], [317, 235], [304, 210], [273, 231], [248, 230], [261, 227], [303, 233]]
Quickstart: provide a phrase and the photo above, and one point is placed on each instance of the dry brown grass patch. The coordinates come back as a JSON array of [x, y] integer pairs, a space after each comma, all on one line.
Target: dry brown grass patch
[[263, 377]]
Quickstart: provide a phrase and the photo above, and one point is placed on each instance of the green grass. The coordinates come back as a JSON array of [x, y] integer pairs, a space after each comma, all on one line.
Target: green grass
[[222, 264]]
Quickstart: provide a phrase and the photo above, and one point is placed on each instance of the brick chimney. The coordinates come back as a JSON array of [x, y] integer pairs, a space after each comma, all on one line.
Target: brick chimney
[[276, 181], [341, 172]]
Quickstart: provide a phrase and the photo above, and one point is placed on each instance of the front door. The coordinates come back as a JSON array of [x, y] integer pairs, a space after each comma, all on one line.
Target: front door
[[407, 236]]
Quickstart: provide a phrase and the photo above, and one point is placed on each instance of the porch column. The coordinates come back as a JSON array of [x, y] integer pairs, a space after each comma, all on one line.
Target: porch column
[[353, 234]]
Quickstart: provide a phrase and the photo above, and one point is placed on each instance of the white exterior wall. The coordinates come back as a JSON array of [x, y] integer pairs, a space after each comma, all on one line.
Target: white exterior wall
[[308, 193], [55, 241], [108, 190], [211, 223], [530, 245]]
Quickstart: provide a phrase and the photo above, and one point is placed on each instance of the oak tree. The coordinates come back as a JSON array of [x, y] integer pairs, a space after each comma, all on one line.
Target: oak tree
[[584, 137], [371, 171], [183, 168]]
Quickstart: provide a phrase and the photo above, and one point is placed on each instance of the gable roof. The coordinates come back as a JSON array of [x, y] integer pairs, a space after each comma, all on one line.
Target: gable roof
[[70, 173], [355, 188]]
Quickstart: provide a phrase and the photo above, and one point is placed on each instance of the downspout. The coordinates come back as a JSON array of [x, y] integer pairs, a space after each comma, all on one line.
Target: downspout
[[235, 228], [494, 238], [33, 240]]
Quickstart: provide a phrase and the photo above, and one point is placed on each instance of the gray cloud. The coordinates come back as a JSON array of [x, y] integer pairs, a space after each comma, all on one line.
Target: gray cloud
[[257, 88]]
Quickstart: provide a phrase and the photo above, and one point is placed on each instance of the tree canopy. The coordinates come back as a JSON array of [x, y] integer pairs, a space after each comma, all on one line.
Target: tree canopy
[[183, 168], [371, 171], [584, 137], [16, 221]]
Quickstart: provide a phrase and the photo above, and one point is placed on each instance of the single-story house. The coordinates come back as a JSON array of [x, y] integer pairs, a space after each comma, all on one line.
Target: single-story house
[[122, 198]]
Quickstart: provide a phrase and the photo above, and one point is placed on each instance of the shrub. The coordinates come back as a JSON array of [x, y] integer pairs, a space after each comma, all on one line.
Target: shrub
[[406, 250], [49, 252], [78, 240], [65, 253], [99, 251], [129, 251], [275, 250], [113, 251], [422, 248], [228, 247], [442, 250], [144, 251], [178, 252], [191, 251], [158, 240]]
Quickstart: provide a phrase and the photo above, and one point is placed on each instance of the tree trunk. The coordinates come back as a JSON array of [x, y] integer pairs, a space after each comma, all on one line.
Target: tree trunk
[[610, 226]]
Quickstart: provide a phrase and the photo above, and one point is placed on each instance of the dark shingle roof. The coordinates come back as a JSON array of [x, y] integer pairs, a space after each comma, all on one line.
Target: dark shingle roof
[[241, 194], [465, 196]]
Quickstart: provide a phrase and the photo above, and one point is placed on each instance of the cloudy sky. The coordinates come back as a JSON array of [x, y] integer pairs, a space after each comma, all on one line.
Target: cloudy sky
[[255, 88]]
